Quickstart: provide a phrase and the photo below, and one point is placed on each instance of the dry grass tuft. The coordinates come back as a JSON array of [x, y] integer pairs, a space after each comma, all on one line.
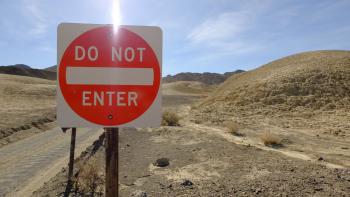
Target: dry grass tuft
[[270, 139], [170, 119], [90, 180], [233, 128]]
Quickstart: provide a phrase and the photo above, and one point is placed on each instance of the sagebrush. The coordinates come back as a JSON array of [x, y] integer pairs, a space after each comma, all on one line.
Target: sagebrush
[[270, 139], [90, 180], [233, 128], [170, 118]]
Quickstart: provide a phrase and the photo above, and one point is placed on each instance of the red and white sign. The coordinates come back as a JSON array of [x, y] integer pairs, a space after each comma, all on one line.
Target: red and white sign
[[109, 77]]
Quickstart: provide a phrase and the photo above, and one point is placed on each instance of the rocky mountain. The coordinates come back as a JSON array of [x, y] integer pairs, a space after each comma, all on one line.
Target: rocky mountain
[[206, 77]]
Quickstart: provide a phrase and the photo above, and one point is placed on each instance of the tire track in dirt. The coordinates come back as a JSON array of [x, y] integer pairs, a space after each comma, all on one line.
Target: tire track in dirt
[[252, 142], [27, 164], [185, 111]]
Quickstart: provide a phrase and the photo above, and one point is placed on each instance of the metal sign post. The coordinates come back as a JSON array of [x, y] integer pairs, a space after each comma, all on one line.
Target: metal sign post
[[112, 165], [71, 155]]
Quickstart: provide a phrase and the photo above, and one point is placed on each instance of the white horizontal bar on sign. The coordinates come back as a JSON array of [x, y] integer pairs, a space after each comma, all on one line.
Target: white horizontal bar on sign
[[109, 76]]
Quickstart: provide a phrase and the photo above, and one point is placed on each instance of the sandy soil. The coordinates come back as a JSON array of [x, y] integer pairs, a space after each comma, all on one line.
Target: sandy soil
[[215, 165]]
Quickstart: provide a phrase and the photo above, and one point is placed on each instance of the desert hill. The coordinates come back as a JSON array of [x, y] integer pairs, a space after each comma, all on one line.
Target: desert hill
[[25, 102], [24, 70], [290, 91], [206, 78], [52, 68], [184, 92], [187, 88]]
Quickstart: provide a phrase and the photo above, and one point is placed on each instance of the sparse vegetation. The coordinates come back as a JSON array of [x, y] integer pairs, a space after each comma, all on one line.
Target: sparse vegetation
[[270, 139], [90, 180], [233, 128], [170, 119]]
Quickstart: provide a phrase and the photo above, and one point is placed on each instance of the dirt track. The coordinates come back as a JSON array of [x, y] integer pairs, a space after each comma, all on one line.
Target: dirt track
[[27, 164]]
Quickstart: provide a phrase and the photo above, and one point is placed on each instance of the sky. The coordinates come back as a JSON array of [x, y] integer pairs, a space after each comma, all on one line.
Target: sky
[[198, 36]]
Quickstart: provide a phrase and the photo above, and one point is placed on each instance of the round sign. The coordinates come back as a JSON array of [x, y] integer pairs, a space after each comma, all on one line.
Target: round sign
[[109, 104]]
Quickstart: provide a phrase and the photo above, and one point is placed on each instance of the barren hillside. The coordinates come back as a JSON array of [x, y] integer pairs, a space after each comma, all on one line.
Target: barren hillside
[[25, 102], [187, 88], [310, 89], [184, 92]]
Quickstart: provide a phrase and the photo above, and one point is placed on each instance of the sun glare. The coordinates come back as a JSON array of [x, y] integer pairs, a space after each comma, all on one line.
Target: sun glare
[[116, 15]]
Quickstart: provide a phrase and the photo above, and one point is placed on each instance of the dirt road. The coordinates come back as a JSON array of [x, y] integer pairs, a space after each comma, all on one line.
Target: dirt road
[[27, 164]]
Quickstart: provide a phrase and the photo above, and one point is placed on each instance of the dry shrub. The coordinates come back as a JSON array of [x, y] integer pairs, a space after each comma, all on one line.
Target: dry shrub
[[270, 139], [233, 128], [170, 119], [90, 180]]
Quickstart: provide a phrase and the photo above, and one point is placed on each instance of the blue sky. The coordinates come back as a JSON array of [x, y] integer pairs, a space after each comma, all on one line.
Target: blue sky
[[199, 36]]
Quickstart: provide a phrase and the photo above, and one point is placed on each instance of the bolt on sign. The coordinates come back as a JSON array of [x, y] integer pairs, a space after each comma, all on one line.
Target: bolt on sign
[[108, 76]]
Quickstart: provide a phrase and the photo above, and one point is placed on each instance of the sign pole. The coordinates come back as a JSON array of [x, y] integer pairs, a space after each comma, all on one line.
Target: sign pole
[[111, 185], [107, 79], [71, 155]]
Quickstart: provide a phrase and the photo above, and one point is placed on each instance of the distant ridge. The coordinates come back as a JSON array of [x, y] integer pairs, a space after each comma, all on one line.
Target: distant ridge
[[50, 73], [51, 68], [24, 70], [206, 78], [21, 66]]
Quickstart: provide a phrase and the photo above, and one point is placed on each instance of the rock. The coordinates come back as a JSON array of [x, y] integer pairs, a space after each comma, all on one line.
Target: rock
[[162, 162], [320, 158], [138, 194], [187, 183], [257, 191], [318, 189]]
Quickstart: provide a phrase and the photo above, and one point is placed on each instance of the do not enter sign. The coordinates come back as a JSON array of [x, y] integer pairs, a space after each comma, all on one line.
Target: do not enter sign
[[109, 76]]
